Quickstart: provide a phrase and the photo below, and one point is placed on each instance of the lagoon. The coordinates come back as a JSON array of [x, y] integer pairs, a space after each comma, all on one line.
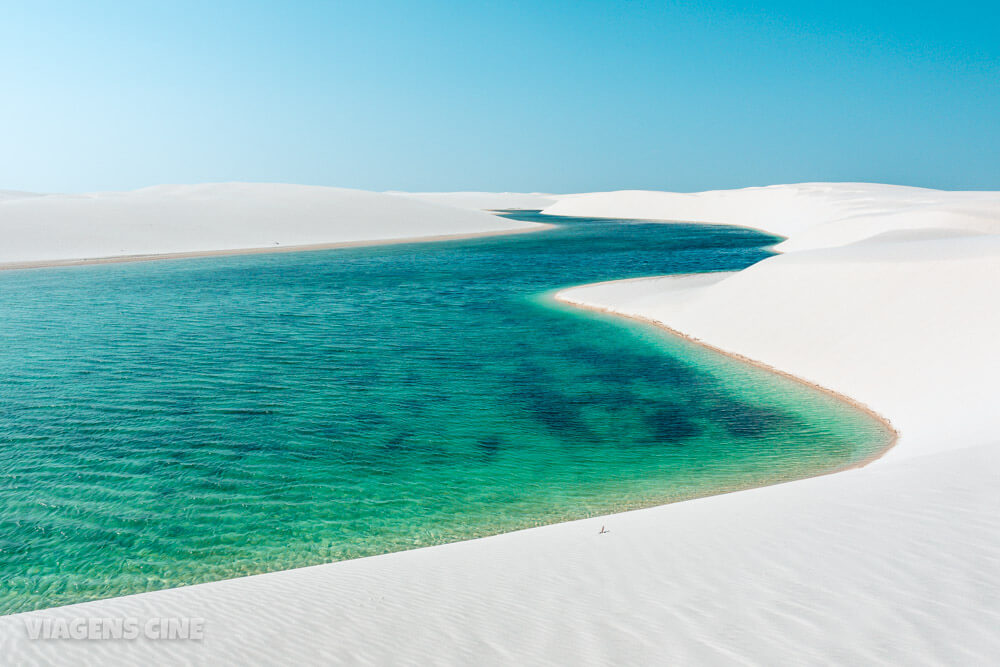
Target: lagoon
[[173, 422]]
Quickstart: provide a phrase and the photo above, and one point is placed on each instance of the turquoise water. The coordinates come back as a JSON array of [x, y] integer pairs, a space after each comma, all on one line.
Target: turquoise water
[[173, 422]]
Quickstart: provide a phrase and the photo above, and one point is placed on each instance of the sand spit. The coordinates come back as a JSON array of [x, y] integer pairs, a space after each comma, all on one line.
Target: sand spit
[[218, 218]]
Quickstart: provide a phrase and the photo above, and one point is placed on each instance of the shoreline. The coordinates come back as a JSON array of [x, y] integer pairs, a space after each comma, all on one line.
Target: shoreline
[[309, 247], [671, 221], [891, 433], [886, 424]]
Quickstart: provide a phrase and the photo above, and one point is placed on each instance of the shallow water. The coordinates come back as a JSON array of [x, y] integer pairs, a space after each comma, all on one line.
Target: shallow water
[[173, 422]]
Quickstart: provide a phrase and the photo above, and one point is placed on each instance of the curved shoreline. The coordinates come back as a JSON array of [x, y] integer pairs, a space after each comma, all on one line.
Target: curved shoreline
[[607, 512], [893, 434], [193, 254]]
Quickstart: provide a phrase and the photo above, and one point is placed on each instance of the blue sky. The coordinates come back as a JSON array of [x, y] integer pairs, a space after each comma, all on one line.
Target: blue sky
[[553, 96]]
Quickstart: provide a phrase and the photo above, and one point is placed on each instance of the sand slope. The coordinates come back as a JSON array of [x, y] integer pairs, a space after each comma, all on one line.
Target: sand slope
[[883, 293], [909, 328], [16, 194], [220, 216], [813, 215], [485, 201], [896, 563]]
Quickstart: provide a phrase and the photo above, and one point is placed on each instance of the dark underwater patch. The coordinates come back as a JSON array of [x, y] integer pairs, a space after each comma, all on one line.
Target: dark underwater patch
[[671, 424]]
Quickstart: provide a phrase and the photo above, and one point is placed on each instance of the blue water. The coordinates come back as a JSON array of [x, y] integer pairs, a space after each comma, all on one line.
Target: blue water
[[171, 422]]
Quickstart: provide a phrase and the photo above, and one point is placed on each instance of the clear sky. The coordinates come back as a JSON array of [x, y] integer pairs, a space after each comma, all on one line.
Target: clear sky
[[547, 96]]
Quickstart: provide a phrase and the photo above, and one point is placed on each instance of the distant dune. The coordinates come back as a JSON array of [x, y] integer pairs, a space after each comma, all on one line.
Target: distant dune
[[812, 215], [485, 200], [173, 219], [16, 194]]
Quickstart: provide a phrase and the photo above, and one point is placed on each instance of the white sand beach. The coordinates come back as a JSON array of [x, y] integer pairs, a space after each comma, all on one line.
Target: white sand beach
[[219, 218], [885, 294]]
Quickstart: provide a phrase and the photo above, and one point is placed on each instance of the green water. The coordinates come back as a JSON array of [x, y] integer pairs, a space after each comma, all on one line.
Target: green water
[[173, 422]]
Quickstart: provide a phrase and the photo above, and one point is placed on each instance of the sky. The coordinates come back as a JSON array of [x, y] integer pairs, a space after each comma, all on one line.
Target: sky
[[501, 96]]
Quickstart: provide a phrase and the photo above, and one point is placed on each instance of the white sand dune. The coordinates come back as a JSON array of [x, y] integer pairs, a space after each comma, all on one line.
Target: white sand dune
[[887, 299], [485, 201], [908, 328], [875, 566], [895, 563], [177, 219], [812, 215], [17, 194]]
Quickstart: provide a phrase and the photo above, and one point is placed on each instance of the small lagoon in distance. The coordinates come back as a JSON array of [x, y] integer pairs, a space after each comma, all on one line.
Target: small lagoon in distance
[[173, 422]]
